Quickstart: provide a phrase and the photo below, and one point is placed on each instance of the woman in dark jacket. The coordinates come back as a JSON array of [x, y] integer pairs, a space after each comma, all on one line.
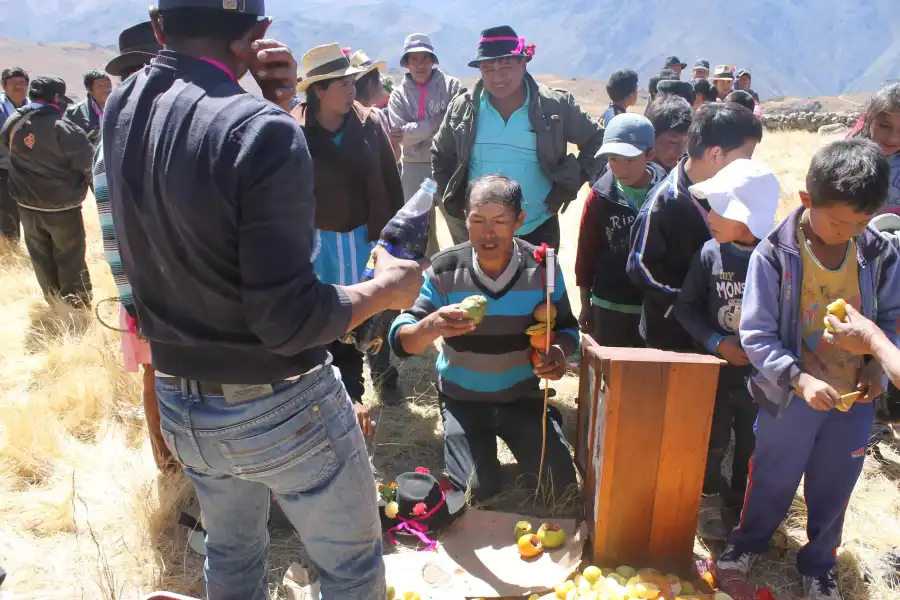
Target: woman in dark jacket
[[357, 185]]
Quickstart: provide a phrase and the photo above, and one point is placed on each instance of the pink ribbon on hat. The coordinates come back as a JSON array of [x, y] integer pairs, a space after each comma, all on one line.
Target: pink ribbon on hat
[[520, 49], [416, 528]]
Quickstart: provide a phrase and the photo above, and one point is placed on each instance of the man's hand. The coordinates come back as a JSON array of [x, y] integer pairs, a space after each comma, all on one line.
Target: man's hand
[[870, 381], [817, 393], [552, 365], [271, 63], [365, 421], [855, 335], [586, 319], [731, 350], [449, 321], [402, 277], [397, 136]]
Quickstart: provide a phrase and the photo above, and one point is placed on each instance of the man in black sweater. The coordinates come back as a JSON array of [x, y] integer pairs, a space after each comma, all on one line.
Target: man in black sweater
[[212, 203]]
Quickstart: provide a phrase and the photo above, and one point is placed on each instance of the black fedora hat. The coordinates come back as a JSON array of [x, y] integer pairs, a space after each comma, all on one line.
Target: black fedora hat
[[674, 61], [137, 45], [424, 507], [501, 42]]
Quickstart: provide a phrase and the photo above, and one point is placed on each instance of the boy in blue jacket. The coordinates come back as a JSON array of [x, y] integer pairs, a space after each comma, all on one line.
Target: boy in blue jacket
[[672, 225], [743, 198], [824, 251]]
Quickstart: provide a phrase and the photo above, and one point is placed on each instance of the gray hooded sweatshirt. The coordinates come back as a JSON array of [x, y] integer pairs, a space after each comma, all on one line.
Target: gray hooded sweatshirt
[[417, 111]]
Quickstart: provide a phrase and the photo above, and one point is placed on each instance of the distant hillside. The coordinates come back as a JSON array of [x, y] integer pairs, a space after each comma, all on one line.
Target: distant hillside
[[795, 47]]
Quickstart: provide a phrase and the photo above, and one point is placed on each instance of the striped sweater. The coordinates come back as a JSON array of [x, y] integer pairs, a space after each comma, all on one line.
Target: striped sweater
[[493, 363], [108, 231]]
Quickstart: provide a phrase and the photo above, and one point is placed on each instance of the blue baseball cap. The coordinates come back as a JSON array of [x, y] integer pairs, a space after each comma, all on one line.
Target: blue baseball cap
[[627, 135], [249, 7]]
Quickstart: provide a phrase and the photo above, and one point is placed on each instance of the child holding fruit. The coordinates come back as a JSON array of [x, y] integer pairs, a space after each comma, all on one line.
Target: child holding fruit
[[823, 252], [743, 198], [487, 374]]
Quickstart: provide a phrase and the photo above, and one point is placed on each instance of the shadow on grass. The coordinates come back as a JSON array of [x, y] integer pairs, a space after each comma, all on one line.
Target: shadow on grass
[[50, 323]]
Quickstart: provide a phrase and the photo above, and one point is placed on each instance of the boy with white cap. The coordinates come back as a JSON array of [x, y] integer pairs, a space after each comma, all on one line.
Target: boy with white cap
[[743, 198], [610, 302]]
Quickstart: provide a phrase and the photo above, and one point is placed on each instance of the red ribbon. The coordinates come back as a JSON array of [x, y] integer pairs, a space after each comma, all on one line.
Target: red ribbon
[[416, 528]]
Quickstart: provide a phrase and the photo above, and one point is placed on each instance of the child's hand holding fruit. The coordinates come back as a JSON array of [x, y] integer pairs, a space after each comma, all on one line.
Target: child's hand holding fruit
[[817, 393]]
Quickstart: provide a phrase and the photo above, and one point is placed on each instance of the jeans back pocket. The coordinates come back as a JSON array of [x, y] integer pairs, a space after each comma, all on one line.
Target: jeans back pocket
[[299, 445]]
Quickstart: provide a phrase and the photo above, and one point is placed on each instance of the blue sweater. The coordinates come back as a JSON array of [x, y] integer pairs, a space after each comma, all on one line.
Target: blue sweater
[[771, 319], [493, 363], [211, 192]]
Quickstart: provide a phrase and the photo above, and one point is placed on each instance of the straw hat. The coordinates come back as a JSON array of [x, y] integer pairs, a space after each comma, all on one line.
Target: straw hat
[[361, 60], [723, 73], [324, 62]]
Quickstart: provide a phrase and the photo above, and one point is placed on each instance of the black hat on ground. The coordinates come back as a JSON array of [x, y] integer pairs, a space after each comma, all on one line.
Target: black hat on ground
[[250, 7], [137, 45], [501, 42], [438, 508], [44, 88], [674, 61]]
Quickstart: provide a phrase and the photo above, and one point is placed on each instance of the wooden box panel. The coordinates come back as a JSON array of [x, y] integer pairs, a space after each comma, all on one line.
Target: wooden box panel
[[643, 430]]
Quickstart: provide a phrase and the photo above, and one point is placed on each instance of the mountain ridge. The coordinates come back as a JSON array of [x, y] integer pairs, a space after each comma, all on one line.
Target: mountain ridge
[[782, 41]]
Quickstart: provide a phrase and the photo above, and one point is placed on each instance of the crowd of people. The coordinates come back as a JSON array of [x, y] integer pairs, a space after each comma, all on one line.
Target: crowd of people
[[237, 229]]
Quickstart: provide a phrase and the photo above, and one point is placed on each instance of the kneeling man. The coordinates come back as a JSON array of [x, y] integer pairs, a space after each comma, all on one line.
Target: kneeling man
[[487, 382]]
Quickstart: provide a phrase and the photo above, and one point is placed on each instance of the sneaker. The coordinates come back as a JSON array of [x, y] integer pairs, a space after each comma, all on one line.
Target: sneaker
[[731, 572], [710, 521], [821, 588], [881, 432]]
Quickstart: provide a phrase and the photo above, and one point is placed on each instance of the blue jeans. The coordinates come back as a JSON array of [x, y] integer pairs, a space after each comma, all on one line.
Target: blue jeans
[[304, 444]]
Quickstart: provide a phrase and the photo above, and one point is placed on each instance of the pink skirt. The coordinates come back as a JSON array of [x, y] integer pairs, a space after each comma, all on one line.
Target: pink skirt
[[135, 351]]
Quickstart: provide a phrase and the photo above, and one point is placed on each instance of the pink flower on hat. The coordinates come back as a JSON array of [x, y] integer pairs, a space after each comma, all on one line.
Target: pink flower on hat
[[346, 51], [423, 471], [420, 509]]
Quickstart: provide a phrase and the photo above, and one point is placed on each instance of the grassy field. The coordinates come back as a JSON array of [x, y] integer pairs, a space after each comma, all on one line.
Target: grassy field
[[83, 513]]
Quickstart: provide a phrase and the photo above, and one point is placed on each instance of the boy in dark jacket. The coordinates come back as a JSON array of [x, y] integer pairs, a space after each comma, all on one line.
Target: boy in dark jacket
[[823, 252], [51, 163], [671, 118], [743, 198], [622, 89], [672, 227], [610, 303]]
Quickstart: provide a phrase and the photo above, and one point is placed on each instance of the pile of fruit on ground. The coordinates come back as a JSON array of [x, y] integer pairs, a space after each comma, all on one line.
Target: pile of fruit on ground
[[626, 583]]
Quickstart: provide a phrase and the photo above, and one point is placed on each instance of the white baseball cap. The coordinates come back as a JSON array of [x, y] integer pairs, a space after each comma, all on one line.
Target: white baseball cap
[[745, 191]]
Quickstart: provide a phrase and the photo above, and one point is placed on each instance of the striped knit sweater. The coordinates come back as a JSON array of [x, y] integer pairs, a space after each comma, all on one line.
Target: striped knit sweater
[[107, 229], [493, 363]]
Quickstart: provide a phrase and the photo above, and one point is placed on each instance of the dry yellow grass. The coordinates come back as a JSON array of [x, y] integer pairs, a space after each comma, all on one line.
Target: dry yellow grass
[[83, 513]]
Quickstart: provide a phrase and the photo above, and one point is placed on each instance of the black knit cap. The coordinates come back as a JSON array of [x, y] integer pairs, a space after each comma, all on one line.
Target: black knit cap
[[500, 42], [44, 88], [249, 7]]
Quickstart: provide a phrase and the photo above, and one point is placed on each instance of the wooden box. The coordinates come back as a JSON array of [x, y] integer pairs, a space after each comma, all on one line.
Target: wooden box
[[644, 418]]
